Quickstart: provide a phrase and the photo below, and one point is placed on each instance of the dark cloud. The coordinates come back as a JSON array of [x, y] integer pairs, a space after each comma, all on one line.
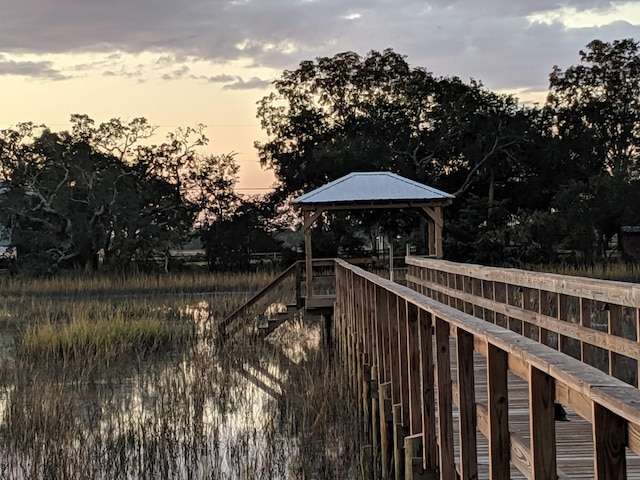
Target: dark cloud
[[491, 40], [43, 70]]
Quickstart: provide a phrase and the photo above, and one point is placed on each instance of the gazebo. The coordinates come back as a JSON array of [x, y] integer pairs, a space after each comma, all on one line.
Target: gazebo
[[370, 191]]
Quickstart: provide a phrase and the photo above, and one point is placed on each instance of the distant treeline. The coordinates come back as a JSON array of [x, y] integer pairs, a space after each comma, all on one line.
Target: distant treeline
[[533, 183]]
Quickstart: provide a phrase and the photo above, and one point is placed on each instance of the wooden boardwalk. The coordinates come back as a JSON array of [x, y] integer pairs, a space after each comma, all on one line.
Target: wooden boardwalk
[[457, 374], [447, 392], [574, 439]]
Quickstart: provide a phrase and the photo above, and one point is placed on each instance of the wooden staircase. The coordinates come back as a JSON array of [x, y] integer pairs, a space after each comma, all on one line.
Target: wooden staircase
[[282, 299], [268, 324], [269, 308]]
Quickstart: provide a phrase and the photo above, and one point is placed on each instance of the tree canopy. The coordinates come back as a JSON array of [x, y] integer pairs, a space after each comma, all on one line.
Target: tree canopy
[[101, 194], [517, 170]]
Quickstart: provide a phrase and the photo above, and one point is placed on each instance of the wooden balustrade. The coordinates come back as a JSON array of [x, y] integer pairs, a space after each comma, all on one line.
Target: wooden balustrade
[[414, 363], [595, 321]]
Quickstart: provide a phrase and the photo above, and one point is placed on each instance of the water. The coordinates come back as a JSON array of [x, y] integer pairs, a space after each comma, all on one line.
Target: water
[[239, 411]]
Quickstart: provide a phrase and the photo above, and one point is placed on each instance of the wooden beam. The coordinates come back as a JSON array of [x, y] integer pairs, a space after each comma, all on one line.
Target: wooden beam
[[606, 291], [609, 434], [387, 205], [310, 217], [542, 425], [498, 410], [467, 406]]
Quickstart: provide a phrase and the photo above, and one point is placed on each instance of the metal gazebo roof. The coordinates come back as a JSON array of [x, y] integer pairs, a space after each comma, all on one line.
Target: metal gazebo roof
[[372, 188]]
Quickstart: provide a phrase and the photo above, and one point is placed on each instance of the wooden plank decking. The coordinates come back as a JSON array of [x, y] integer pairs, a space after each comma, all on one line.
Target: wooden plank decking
[[574, 439]]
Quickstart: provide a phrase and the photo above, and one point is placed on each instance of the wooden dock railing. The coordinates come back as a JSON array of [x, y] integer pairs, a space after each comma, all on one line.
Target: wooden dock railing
[[595, 321], [423, 416]]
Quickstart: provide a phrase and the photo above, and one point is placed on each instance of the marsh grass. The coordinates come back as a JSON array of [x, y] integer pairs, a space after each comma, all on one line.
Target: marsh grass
[[139, 284], [104, 339], [619, 271], [248, 409]]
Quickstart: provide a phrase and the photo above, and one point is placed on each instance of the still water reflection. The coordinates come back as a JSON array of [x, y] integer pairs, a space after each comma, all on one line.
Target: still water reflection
[[245, 410]]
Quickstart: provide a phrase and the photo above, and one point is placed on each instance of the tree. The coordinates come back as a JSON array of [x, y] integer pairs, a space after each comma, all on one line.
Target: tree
[[74, 197], [330, 117], [597, 106], [230, 240], [596, 112]]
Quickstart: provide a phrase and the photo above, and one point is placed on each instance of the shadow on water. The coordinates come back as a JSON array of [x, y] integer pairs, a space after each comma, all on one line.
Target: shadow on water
[[245, 410]]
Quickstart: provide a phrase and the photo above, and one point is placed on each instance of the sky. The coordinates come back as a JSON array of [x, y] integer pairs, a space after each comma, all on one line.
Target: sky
[[179, 63]]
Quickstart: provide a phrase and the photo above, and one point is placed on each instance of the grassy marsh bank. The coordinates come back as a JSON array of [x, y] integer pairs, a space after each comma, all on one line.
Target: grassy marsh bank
[[195, 410], [139, 284]]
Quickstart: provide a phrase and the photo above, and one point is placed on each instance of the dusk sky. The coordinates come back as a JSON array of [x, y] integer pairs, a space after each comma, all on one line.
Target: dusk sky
[[183, 62]]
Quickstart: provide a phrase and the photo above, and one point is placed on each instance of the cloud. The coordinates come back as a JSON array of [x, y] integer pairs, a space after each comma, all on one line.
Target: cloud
[[494, 40], [222, 78], [177, 74], [41, 70], [252, 83]]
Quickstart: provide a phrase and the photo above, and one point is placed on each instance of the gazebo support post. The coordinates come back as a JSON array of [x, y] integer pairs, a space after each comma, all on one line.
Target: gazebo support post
[[435, 222], [308, 260], [310, 216]]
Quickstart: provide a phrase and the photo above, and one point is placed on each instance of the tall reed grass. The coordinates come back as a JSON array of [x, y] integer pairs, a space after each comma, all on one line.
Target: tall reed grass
[[619, 271], [99, 284], [245, 410], [103, 339]]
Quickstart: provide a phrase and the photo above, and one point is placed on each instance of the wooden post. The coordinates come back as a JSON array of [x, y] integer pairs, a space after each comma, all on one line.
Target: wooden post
[[308, 255], [435, 223], [562, 316], [390, 259], [425, 339], [432, 237], [542, 425], [617, 368], [438, 231], [366, 395], [543, 309], [299, 300], [386, 430], [585, 321], [375, 422], [498, 411], [394, 350], [467, 407], [403, 342], [413, 460], [445, 401], [413, 383], [398, 442], [609, 434]]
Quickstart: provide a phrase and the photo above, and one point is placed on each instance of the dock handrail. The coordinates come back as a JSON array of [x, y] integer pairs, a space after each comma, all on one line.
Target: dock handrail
[[386, 328], [596, 321]]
